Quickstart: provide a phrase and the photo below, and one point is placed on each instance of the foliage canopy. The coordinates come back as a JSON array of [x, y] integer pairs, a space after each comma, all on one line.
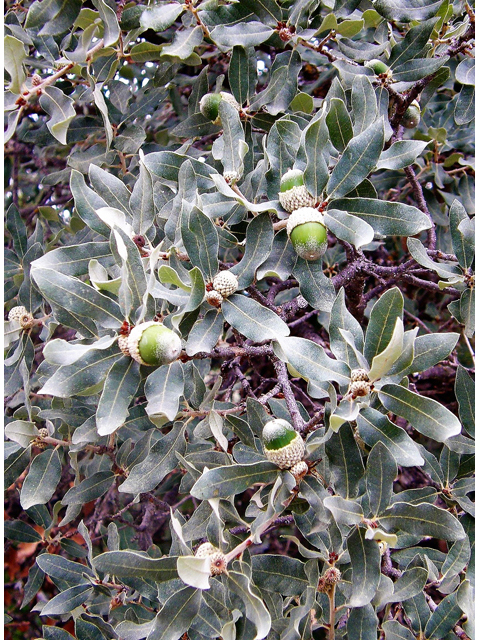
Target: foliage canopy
[[132, 198]]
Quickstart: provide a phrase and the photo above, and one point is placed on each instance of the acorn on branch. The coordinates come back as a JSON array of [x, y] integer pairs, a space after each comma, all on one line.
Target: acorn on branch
[[411, 117], [308, 233], [299, 470], [214, 298], [218, 562], [231, 177], [210, 102], [359, 375], [153, 344], [293, 192], [332, 575], [359, 389], [22, 316], [360, 384], [16, 313], [225, 283], [282, 444], [379, 68]]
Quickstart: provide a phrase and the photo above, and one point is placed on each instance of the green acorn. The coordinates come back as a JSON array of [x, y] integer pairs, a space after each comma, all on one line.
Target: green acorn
[[210, 102], [293, 192], [153, 344], [282, 444], [411, 117], [378, 67], [308, 233]]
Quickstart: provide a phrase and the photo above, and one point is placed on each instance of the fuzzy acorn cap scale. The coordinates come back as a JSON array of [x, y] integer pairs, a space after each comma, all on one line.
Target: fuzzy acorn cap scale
[[225, 283], [293, 192], [122, 342], [282, 444], [153, 344]]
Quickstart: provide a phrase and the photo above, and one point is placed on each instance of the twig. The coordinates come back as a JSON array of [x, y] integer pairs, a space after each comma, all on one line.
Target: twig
[[282, 375], [422, 205]]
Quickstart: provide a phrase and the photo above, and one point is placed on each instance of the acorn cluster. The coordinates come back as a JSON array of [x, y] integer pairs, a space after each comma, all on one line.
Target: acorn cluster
[[151, 344], [360, 384], [305, 226], [223, 285]]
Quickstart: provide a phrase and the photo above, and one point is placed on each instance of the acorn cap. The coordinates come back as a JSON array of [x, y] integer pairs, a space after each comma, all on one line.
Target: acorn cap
[[214, 298], [153, 344], [230, 99], [225, 283], [282, 444], [359, 389], [293, 192], [16, 313], [357, 375], [218, 561], [231, 177], [299, 470], [26, 320], [206, 549], [123, 345], [332, 575]]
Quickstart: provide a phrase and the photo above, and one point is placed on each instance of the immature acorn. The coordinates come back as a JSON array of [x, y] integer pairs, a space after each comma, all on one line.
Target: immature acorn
[[359, 375], [22, 316], [210, 102], [16, 313], [231, 177], [218, 562], [308, 233], [293, 192], [359, 389], [332, 575], [153, 344], [378, 67], [282, 444], [214, 298], [411, 117], [225, 283]]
